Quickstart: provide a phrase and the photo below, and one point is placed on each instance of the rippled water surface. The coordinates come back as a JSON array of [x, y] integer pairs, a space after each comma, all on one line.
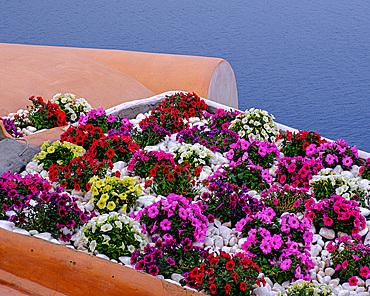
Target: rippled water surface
[[306, 62]]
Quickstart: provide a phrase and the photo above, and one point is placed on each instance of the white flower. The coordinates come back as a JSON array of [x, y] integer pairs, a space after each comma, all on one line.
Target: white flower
[[118, 224], [137, 237], [131, 248], [106, 227], [123, 246], [92, 245]]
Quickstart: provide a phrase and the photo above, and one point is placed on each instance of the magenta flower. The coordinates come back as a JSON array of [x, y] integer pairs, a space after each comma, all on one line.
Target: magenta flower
[[165, 224], [153, 212], [293, 222], [153, 270], [345, 264], [285, 265], [307, 237], [329, 159], [365, 272], [347, 161], [328, 221], [170, 261], [265, 247]]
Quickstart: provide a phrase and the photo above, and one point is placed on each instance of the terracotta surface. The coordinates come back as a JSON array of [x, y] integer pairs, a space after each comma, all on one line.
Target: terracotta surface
[[107, 78], [37, 267]]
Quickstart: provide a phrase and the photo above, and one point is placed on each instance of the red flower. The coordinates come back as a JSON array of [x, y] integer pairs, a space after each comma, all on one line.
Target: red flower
[[171, 177], [213, 288], [77, 187], [88, 186], [227, 288], [166, 169], [63, 184], [110, 153], [197, 171], [243, 286], [288, 137], [235, 276], [178, 169], [230, 265]]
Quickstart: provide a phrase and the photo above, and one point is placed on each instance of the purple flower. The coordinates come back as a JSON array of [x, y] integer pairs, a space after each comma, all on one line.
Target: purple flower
[[148, 258], [111, 118], [140, 265]]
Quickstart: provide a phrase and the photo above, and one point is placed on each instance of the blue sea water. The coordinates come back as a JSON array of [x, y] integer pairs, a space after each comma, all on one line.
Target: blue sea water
[[306, 62]]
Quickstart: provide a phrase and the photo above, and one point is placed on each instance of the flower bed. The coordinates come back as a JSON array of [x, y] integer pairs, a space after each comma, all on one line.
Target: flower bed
[[214, 201]]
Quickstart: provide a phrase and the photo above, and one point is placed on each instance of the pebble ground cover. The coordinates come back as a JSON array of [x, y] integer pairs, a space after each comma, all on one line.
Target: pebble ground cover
[[219, 202]]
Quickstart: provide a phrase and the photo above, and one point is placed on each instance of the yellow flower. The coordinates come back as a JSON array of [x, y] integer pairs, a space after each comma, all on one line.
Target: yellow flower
[[123, 195], [50, 149], [41, 155], [131, 188], [111, 206], [107, 188], [56, 144], [100, 183], [104, 197], [101, 204], [45, 146], [60, 162], [95, 191], [124, 208]]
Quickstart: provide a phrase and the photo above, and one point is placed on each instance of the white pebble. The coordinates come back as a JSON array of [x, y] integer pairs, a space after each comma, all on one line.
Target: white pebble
[[21, 231]]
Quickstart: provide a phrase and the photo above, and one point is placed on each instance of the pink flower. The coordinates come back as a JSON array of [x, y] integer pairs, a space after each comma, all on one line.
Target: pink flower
[[330, 247], [276, 241], [365, 272], [265, 247], [328, 221], [285, 265], [296, 204], [347, 161], [183, 213], [291, 168], [345, 264], [230, 154], [352, 281], [153, 212], [282, 179], [293, 222], [165, 224], [307, 237], [329, 159], [311, 149]]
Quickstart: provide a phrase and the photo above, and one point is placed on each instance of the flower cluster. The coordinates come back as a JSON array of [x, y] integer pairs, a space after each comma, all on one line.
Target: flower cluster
[[225, 275], [256, 124], [351, 259], [168, 257], [327, 183], [284, 198], [45, 115], [82, 135], [11, 128], [106, 122], [215, 139], [365, 170], [253, 152], [174, 218], [228, 202], [112, 193], [221, 118], [189, 104], [79, 171], [195, 154], [337, 153], [149, 134], [167, 178], [297, 171], [306, 288], [58, 153], [73, 107], [114, 148], [33, 204], [113, 235], [143, 161], [278, 246], [302, 143], [251, 176], [336, 213]]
